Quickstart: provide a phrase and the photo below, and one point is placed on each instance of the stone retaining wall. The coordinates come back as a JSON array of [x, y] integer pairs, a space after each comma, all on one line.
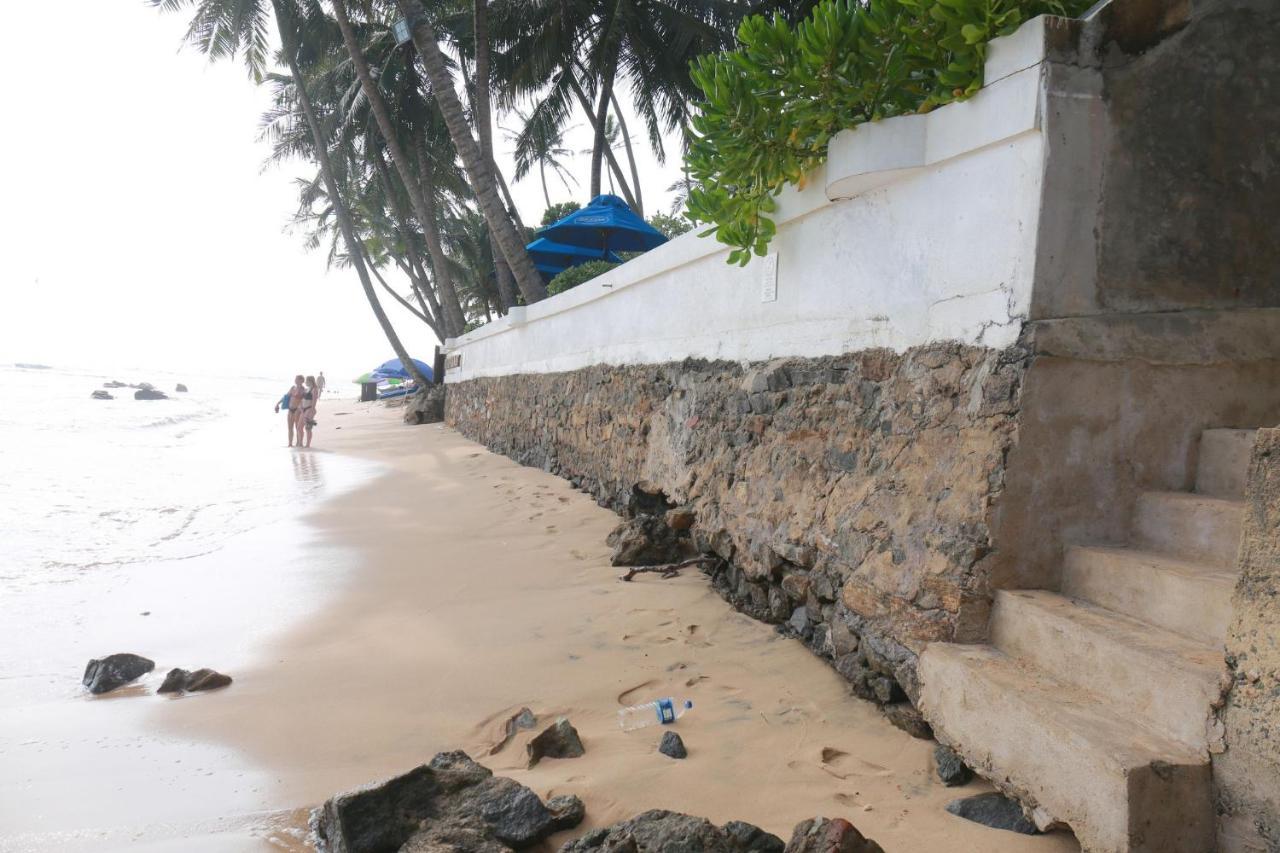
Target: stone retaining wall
[[850, 496]]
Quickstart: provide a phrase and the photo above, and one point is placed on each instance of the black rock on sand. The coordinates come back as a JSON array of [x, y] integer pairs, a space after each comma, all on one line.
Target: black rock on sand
[[103, 675]]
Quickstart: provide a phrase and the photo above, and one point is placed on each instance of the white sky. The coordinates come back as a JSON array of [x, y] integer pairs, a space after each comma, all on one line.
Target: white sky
[[138, 229]]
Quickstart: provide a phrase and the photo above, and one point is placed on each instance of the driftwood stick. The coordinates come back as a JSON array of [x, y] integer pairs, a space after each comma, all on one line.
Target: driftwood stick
[[670, 570]]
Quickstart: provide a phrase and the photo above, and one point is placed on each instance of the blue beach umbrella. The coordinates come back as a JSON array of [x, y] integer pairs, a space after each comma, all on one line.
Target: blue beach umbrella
[[551, 258], [395, 369], [604, 226]]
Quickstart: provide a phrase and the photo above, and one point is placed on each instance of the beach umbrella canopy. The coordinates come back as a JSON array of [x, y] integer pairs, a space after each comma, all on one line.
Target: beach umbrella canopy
[[551, 258], [605, 226], [395, 369]]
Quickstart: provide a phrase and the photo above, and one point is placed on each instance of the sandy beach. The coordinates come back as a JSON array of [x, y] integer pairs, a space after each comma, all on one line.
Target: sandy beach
[[414, 613]]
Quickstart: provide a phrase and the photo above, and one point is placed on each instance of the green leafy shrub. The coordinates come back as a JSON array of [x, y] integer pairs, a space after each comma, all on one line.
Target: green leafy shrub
[[558, 211], [771, 106], [574, 276], [670, 226]]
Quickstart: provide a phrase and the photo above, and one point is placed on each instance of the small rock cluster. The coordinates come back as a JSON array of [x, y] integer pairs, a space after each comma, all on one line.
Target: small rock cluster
[[652, 531], [102, 675]]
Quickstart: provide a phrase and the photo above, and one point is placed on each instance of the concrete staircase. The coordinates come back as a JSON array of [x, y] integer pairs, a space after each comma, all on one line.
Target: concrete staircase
[[1094, 705]]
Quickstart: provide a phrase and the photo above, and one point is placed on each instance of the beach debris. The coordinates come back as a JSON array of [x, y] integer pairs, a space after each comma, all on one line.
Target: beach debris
[[101, 395], [669, 570], [180, 680], [823, 835], [567, 811], [103, 675], [952, 770], [181, 389], [658, 831], [453, 803], [995, 810], [559, 740], [672, 746], [522, 719], [149, 394], [645, 540], [907, 717]]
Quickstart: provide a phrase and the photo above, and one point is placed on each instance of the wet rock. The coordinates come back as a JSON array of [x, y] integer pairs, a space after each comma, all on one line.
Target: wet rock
[[103, 675], [952, 770], [994, 810], [822, 835], [181, 389], [451, 804], [567, 811], [560, 740], [672, 746], [149, 394], [905, 716], [101, 395], [180, 680], [645, 540], [661, 831]]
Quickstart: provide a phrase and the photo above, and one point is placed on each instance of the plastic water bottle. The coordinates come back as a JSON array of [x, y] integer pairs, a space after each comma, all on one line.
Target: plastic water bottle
[[659, 711]]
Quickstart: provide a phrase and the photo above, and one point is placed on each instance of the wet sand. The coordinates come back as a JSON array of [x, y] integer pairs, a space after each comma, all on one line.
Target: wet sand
[[414, 614]]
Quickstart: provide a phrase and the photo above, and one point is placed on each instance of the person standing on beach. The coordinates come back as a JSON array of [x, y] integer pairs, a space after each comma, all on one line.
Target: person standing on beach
[[292, 401], [307, 414], [320, 382]]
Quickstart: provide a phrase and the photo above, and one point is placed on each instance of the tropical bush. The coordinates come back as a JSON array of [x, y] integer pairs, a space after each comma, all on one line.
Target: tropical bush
[[558, 211], [670, 226], [771, 105], [574, 276]]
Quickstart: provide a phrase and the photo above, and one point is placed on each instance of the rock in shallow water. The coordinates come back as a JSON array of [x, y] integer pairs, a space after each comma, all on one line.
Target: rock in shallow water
[[179, 680], [451, 805], [103, 675], [559, 740], [661, 831], [672, 745], [994, 810]]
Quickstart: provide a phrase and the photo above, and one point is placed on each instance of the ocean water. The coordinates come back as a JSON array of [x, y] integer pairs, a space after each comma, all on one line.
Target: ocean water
[[87, 485]]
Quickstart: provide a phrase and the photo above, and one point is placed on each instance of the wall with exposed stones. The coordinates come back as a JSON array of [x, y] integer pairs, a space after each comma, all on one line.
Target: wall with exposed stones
[[1248, 773], [849, 496]]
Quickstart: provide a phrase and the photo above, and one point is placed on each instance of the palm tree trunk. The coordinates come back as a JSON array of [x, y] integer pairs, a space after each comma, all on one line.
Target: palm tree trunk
[[601, 143], [354, 249], [421, 284], [455, 322], [408, 306], [608, 152], [631, 156], [542, 173], [478, 168]]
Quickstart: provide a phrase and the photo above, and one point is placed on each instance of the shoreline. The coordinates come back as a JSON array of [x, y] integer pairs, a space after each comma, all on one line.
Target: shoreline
[[453, 587]]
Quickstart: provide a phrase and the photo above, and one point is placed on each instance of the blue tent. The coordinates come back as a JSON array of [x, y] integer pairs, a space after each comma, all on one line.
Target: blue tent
[[395, 369], [604, 226]]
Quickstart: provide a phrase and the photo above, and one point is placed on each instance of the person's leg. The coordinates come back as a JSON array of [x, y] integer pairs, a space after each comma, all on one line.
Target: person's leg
[[288, 417]]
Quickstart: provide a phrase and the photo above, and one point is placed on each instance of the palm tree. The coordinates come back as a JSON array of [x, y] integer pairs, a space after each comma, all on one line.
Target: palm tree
[[479, 170], [454, 320], [540, 142], [225, 28]]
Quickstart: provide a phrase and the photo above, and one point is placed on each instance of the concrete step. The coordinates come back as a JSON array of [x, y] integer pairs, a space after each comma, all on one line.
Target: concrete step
[[1191, 599], [1223, 467], [1168, 681], [1120, 787], [1191, 527]]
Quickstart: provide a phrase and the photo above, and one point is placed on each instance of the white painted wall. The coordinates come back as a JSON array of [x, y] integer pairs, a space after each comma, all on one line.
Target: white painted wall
[[918, 229]]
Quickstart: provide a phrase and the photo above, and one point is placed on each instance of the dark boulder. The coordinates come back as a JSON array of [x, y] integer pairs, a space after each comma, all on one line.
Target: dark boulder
[[952, 770], [425, 406], [179, 680], [994, 810], [905, 716], [645, 540], [114, 384], [661, 831], [647, 498], [101, 395], [181, 389], [103, 675], [559, 740], [672, 746], [452, 804], [149, 394], [822, 835]]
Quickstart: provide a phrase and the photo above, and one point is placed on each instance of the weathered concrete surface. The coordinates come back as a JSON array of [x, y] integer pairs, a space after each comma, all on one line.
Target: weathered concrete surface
[[857, 487], [1248, 772]]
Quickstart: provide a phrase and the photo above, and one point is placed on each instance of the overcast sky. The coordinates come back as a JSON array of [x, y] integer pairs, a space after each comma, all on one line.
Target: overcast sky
[[139, 229]]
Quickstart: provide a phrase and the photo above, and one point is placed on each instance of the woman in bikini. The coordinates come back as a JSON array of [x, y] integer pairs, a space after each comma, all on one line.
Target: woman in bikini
[[307, 412]]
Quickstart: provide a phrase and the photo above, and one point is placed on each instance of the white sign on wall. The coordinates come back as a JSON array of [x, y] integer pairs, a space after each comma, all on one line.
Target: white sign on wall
[[769, 278]]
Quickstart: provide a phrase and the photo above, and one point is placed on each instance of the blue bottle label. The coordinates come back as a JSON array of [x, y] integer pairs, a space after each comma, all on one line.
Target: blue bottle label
[[666, 711]]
